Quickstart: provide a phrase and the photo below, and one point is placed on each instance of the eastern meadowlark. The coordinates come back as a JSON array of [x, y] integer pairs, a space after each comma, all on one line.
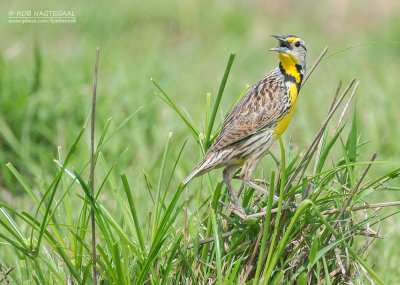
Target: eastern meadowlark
[[258, 119]]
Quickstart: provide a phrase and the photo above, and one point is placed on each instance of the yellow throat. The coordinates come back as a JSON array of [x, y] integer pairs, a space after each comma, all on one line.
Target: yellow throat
[[288, 63]]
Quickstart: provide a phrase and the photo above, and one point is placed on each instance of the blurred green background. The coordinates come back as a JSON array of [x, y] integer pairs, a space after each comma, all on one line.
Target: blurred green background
[[46, 75]]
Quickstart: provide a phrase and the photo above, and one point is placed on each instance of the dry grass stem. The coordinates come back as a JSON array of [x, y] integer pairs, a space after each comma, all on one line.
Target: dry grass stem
[[314, 66], [346, 107], [92, 164], [329, 116], [311, 148], [370, 206], [7, 272], [211, 239], [354, 191], [320, 141]]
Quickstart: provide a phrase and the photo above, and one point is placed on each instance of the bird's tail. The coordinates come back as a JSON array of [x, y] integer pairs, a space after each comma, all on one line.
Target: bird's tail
[[196, 171], [208, 163]]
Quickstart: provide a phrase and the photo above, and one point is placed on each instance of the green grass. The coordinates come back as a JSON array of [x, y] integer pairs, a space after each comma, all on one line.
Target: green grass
[[126, 256], [46, 77]]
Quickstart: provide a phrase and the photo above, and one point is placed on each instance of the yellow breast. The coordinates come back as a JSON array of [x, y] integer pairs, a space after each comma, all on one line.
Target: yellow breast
[[285, 120]]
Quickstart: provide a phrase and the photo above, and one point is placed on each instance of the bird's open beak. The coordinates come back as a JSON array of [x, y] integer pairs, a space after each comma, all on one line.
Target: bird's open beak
[[279, 38], [279, 49], [283, 44]]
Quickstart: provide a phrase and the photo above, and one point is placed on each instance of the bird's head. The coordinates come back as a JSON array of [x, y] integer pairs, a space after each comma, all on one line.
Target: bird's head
[[291, 50]]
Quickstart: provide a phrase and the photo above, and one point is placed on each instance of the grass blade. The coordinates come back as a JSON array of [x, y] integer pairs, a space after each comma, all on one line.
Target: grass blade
[[133, 212], [218, 100], [171, 103], [217, 247]]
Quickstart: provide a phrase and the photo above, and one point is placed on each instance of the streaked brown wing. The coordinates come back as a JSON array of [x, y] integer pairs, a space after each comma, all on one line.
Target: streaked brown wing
[[258, 108]]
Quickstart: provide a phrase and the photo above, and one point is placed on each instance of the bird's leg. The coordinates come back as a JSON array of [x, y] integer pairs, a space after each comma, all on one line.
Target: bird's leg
[[227, 181], [245, 175], [240, 189], [251, 184]]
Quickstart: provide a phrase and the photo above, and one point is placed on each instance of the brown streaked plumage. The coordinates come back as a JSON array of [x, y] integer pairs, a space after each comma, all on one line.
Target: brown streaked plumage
[[258, 119]]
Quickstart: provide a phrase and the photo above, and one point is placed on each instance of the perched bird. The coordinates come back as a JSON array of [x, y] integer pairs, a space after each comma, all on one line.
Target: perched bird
[[258, 119]]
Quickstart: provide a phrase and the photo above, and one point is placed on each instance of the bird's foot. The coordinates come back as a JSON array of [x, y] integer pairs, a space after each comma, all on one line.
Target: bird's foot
[[234, 208], [247, 217], [240, 212]]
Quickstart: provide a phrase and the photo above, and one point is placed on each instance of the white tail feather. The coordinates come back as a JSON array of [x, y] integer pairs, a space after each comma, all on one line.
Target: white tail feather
[[199, 169], [210, 162], [191, 175]]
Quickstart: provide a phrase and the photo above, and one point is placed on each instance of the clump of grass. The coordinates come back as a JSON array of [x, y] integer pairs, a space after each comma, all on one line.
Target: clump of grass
[[306, 235], [313, 234]]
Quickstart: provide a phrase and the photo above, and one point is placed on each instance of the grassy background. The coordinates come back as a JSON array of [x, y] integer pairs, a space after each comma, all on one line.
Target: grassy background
[[46, 77]]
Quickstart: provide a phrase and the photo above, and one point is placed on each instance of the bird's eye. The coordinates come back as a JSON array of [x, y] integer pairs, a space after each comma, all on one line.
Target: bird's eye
[[297, 44]]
